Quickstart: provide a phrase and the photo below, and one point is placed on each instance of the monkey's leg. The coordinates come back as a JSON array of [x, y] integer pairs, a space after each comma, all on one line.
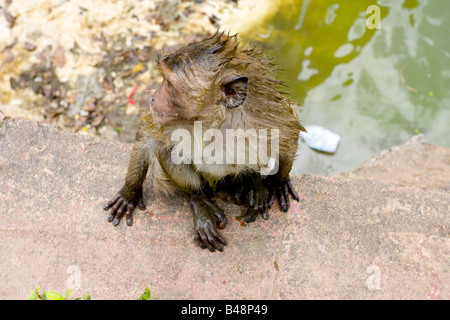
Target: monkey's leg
[[238, 190], [130, 195], [253, 190], [207, 215], [280, 185], [282, 190]]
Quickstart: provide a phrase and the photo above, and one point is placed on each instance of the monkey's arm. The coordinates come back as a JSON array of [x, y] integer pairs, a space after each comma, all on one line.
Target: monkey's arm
[[207, 215], [248, 188], [130, 195], [280, 184]]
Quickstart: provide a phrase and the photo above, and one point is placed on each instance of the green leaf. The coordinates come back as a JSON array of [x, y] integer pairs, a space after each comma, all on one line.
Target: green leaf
[[53, 295], [32, 296], [86, 297], [68, 293], [146, 295]]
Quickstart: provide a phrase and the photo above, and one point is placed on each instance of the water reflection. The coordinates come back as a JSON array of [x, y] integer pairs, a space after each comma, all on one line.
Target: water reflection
[[374, 87]]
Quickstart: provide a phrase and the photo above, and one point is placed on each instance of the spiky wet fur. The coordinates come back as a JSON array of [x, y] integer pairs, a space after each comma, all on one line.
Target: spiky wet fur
[[200, 67]]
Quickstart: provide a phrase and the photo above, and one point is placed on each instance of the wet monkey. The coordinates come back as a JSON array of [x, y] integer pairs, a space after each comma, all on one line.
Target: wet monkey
[[222, 85]]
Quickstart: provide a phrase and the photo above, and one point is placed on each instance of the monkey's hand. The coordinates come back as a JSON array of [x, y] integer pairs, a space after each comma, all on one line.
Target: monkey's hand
[[257, 203], [280, 188], [124, 203], [207, 215]]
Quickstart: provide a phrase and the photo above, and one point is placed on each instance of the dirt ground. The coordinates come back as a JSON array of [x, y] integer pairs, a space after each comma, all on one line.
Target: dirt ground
[[87, 65]]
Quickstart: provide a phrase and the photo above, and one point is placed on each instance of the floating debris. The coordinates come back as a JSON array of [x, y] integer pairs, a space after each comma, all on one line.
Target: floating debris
[[321, 139]]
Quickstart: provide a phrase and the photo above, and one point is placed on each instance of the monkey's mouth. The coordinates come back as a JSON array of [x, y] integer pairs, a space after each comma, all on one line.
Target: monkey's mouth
[[164, 115], [159, 114]]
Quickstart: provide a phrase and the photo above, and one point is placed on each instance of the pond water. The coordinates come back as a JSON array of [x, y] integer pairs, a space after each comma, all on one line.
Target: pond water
[[376, 88]]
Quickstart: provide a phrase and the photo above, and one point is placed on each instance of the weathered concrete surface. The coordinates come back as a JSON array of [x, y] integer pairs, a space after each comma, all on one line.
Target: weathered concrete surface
[[344, 238], [414, 163]]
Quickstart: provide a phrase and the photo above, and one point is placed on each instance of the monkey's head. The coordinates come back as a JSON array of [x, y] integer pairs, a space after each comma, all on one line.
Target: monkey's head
[[211, 79]]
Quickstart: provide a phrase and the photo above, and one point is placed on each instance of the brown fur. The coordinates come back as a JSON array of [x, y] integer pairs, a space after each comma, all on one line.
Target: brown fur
[[225, 86], [198, 69]]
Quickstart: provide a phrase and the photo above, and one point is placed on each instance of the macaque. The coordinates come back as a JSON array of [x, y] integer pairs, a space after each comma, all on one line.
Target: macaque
[[223, 86]]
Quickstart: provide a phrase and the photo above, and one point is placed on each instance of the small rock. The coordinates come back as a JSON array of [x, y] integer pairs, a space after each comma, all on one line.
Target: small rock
[[97, 120], [29, 46], [58, 58]]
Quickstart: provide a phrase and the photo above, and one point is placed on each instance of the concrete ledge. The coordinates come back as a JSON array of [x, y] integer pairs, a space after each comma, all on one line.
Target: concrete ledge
[[413, 163], [347, 238]]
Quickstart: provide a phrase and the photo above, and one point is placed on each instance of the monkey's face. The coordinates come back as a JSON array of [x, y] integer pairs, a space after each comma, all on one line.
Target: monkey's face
[[200, 82], [163, 104], [170, 104], [177, 100]]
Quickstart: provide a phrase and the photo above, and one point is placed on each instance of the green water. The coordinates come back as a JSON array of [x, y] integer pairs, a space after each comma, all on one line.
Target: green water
[[375, 88]]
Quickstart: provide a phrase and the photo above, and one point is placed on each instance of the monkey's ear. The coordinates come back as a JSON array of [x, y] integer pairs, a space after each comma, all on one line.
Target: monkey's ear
[[233, 91]]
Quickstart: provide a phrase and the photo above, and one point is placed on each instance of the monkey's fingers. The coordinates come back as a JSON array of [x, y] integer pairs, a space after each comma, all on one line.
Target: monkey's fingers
[[220, 220], [239, 196], [216, 239], [249, 216], [129, 215], [120, 212], [292, 191], [271, 197], [114, 209], [259, 206], [251, 197], [141, 205], [219, 216], [200, 242], [210, 239], [286, 196], [282, 200], [203, 240], [264, 208], [265, 214], [241, 193], [111, 202]]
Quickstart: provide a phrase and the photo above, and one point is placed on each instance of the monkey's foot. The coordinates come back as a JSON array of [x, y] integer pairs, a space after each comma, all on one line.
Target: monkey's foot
[[207, 215], [239, 194], [282, 191], [257, 204], [121, 206]]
